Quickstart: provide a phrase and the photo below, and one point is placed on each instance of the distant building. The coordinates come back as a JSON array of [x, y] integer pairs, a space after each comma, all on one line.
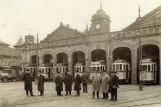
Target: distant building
[[9, 57], [65, 48]]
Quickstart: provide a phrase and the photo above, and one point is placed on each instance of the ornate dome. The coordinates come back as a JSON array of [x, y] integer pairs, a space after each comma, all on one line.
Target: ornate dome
[[100, 14]]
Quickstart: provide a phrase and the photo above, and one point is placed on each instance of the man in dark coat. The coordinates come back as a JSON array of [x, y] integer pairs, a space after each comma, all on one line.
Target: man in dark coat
[[113, 86], [84, 82], [77, 82], [68, 81], [28, 82], [59, 84], [41, 81]]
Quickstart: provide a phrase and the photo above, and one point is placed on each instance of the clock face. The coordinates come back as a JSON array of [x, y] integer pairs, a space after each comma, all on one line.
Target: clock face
[[97, 26]]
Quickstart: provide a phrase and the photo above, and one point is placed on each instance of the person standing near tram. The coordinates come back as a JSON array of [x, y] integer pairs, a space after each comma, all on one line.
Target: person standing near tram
[[114, 84], [105, 84], [59, 83], [84, 82], [68, 81], [77, 82], [41, 81], [96, 82], [28, 82]]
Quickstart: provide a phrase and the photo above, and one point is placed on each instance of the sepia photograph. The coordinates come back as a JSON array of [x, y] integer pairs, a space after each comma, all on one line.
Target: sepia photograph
[[80, 53]]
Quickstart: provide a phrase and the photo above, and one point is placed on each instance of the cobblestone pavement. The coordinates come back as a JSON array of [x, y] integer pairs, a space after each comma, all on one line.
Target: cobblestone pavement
[[13, 95]]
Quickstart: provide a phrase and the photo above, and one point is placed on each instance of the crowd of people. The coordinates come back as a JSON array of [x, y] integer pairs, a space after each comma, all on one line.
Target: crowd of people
[[100, 83]]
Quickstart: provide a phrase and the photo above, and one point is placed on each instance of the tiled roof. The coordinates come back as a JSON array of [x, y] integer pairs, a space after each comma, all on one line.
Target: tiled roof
[[52, 36], [7, 51], [142, 18], [3, 43]]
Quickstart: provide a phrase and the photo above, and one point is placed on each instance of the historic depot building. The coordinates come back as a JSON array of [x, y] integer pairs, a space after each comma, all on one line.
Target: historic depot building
[[98, 48]]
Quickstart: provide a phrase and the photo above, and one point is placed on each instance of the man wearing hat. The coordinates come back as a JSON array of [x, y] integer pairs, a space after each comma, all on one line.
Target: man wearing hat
[[59, 83], [77, 82], [113, 86], [28, 82], [68, 81], [96, 81], [105, 84], [84, 79], [41, 81]]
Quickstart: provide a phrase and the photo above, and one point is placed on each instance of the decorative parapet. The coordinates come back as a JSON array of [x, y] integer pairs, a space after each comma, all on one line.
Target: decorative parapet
[[134, 33], [67, 42]]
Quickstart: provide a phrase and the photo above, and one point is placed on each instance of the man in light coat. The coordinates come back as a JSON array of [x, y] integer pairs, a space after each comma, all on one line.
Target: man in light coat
[[105, 84], [96, 82]]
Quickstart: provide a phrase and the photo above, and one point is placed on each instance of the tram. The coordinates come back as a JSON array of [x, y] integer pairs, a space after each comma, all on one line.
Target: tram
[[62, 68], [97, 65], [122, 67], [32, 71], [80, 68], [149, 71], [46, 72]]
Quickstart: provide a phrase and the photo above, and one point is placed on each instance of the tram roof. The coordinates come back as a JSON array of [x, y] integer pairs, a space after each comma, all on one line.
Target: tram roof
[[120, 61], [78, 64], [98, 63], [147, 60]]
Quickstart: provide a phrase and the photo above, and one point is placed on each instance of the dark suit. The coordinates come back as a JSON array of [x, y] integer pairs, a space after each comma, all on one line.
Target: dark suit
[[84, 82], [41, 80], [59, 84], [28, 83], [113, 87], [68, 81], [77, 83]]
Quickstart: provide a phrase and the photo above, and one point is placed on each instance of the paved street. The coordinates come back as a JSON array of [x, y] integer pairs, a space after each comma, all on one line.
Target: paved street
[[13, 95]]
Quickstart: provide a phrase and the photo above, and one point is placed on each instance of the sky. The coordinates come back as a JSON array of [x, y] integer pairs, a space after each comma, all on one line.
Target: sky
[[18, 17]]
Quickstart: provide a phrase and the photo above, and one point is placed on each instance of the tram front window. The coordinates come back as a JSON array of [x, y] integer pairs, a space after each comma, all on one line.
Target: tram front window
[[120, 67], [148, 67], [144, 67]]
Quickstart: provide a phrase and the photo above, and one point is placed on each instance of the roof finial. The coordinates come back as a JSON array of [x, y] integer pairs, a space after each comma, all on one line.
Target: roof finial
[[101, 4], [29, 31], [61, 22]]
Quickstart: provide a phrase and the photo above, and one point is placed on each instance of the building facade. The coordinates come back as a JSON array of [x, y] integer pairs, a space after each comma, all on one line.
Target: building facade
[[96, 45], [9, 57]]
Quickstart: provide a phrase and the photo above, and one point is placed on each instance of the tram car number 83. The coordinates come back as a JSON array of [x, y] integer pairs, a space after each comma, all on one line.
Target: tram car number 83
[[149, 71]]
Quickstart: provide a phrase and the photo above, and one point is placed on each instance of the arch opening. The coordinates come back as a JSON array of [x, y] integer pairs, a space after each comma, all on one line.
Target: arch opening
[[150, 64], [122, 64]]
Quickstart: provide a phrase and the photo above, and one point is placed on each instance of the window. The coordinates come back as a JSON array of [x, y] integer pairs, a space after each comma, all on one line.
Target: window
[[144, 67], [156, 30], [148, 67], [127, 68], [120, 67]]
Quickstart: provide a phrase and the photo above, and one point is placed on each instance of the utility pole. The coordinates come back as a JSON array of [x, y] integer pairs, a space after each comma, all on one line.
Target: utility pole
[[140, 55], [37, 60]]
